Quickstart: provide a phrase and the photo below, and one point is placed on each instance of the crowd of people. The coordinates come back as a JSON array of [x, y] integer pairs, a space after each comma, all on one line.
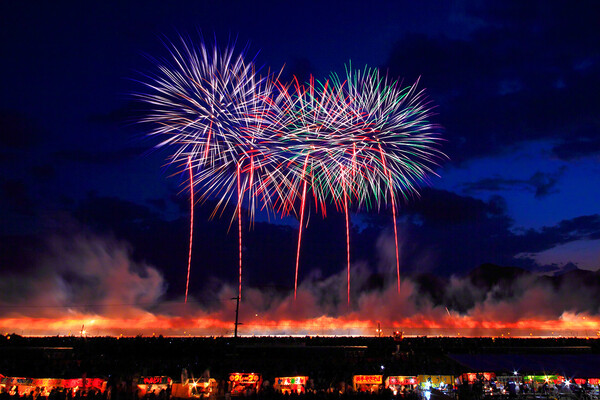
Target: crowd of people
[[328, 361], [39, 393]]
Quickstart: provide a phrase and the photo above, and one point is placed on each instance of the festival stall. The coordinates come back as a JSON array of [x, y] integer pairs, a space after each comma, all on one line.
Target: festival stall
[[400, 383], [199, 388], [244, 383], [543, 383], [149, 384], [296, 384], [472, 377], [367, 383], [590, 385], [17, 385], [435, 381], [43, 386], [588, 381]]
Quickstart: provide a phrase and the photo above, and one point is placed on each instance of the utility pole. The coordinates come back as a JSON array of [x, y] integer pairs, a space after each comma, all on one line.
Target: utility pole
[[237, 313]]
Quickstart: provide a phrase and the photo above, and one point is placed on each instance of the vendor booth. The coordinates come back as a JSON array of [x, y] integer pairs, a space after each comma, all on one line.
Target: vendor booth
[[444, 383], [543, 383], [400, 383], [43, 386], [149, 384], [244, 383], [195, 388], [367, 383], [289, 385], [590, 385], [472, 377], [17, 385]]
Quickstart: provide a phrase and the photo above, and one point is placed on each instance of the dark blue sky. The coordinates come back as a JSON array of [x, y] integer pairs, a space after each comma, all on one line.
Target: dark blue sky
[[516, 84]]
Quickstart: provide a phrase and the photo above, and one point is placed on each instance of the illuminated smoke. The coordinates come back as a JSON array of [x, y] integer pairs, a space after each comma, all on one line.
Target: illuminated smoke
[[84, 274], [93, 281]]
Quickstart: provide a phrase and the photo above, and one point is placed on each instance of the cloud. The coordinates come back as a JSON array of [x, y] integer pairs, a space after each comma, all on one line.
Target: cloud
[[540, 183], [498, 87], [461, 233], [585, 142], [570, 230], [441, 232]]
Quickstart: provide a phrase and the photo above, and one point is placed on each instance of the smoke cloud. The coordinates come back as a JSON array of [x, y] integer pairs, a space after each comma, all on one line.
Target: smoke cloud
[[93, 281]]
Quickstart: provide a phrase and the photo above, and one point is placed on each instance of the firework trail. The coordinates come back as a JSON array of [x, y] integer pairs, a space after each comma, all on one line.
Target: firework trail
[[347, 242], [393, 201], [187, 281], [302, 208]]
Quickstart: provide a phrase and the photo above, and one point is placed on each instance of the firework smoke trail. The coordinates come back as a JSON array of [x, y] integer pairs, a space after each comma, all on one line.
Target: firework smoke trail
[[347, 239], [302, 207], [239, 217], [393, 201], [187, 281]]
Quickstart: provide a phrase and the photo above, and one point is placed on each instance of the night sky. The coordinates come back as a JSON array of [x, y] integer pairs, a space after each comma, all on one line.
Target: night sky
[[516, 88]]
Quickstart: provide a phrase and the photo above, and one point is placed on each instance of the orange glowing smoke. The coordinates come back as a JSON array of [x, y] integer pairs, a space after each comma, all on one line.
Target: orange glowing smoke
[[93, 282], [567, 325]]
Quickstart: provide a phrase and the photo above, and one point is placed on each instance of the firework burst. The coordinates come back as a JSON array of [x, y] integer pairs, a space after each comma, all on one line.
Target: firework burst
[[361, 141]]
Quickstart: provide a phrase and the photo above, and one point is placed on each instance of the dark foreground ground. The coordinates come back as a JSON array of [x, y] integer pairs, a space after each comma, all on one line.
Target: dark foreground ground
[[324, 359]]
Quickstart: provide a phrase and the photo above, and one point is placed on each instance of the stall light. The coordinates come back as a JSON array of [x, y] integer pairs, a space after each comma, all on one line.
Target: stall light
[[515, 372], [382, 367]]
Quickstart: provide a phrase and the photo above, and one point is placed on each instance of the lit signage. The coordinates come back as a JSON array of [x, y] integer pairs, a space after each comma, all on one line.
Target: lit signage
[[244, 377], [155, 380], [368, 379], [402, 380], [288, 381]]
